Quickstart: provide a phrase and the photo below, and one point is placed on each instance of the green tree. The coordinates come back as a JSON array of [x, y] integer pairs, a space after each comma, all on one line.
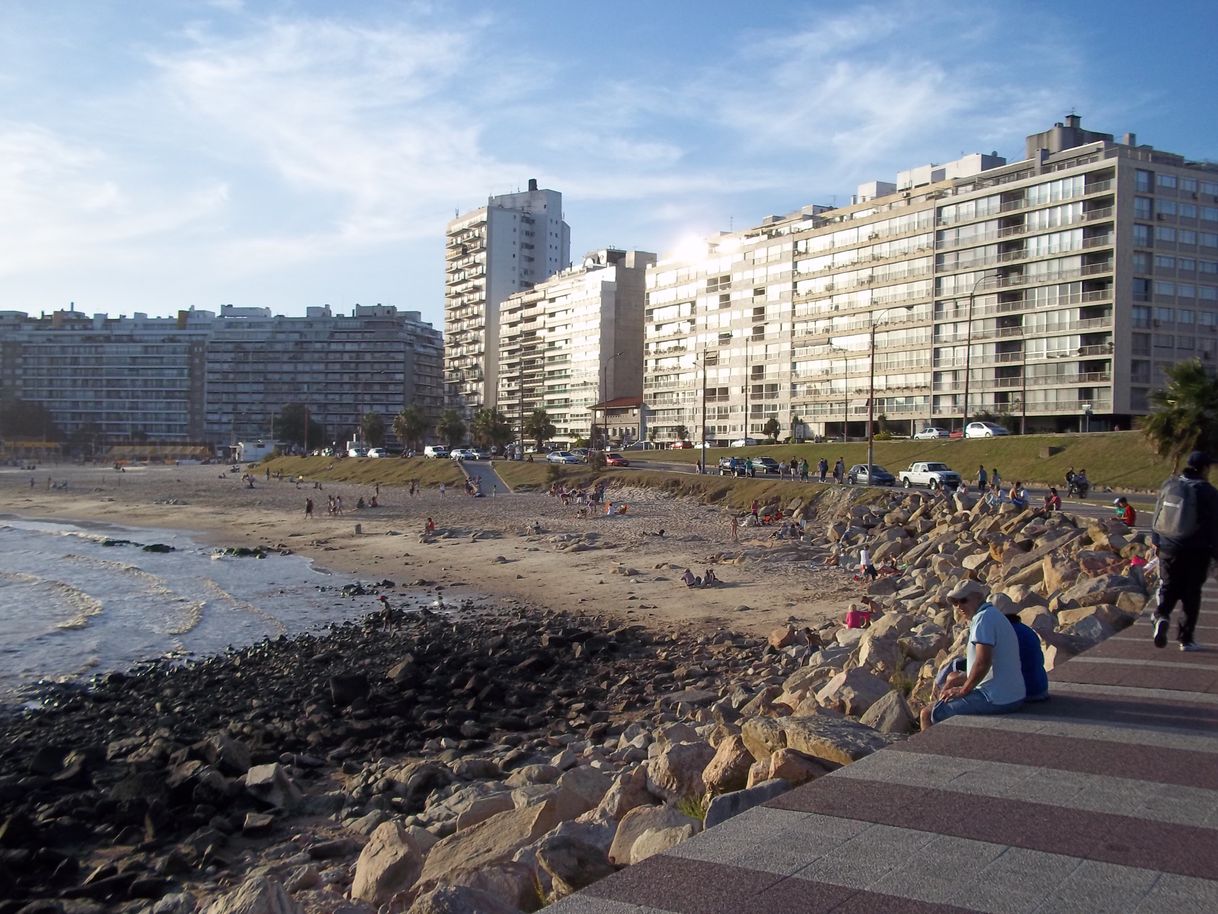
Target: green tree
[[772, 427], [491, 427], [27, 419], [84, 439], [539, 428], [296, 426], [411, 425], [373, 428], [451, 427], [681, 432], [1184, 417]]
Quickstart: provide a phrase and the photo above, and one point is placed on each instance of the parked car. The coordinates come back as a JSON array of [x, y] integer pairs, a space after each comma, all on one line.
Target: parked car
[[765, 465], [580, 452], [357, 452], [463, 453], [614, 459], [435, 450], [930, 473], [561, 457], [639, 446], [877, 476], [744, 442], [377, 452], [985, 430], [681, 444], [932, 431], [481, 454], [733, 466]]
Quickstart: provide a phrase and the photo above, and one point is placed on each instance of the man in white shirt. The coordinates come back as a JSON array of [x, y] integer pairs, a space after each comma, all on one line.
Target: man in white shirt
[[993, 682]]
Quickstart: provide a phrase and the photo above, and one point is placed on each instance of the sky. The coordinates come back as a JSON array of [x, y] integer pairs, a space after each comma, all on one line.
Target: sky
[[175, 153]]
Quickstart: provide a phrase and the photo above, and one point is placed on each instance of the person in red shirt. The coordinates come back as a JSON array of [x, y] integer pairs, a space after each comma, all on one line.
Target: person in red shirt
[[1125, 511]]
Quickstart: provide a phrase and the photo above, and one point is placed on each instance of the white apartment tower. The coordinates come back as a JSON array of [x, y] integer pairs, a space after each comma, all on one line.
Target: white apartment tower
[[511, 244], [1051, 292], [573, 345]]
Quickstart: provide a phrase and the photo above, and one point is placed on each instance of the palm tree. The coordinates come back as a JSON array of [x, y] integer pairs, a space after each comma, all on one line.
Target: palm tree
[[451, 427], [490, 427], [373, 427], [410, 425], [1185, 414], [539, 427]]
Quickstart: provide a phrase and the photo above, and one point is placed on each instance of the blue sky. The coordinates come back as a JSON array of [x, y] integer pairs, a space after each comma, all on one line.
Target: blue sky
[[159, 155]]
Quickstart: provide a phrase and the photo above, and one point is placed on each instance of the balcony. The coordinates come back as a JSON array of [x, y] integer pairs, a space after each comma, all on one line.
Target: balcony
[[1008, 307]]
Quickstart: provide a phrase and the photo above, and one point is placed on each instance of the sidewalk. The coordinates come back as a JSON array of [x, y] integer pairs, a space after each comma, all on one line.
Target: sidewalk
[[1104, 799]]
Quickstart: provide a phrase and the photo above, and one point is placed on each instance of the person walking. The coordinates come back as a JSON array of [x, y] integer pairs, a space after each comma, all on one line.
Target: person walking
[[823, 468], [839, 471], [1185, 532], [308, 507], [982, 478]]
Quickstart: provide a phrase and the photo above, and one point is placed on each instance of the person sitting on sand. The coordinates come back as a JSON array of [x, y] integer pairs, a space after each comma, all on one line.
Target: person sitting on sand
[[690, 579], [659, 532], [710, 579], [857, 618], [430, 526], [536, 526], [374, 503], [623, 508], [359, 505]]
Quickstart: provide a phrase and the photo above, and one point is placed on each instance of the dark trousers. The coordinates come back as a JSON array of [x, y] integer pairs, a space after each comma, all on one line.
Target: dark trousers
[[1181, 577]]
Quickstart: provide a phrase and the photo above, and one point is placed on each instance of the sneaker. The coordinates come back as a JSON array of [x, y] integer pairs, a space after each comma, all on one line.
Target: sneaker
[[1161, 633], [1189, 646]]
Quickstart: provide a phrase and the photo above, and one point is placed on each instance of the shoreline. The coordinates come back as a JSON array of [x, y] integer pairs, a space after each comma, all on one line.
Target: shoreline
[[484, 551]]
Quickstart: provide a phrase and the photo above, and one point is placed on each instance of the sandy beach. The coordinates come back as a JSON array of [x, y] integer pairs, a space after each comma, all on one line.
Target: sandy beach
[[485, 547]]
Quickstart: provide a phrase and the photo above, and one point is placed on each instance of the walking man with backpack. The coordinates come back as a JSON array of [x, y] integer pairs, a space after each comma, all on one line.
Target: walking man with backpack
[[1185, 529]]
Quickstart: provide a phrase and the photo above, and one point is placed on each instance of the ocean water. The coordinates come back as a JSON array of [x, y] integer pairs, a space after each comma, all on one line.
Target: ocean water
[[72, 606]]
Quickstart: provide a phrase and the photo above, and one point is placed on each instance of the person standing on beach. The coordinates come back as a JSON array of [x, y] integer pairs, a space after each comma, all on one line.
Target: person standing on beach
[[443, 489], [1185, 531], [823, 468], [982, 477], [308, 507], [735, 529], [338, 504]]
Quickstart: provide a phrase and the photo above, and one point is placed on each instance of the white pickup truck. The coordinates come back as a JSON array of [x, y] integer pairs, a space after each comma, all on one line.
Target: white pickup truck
[[931, 474]]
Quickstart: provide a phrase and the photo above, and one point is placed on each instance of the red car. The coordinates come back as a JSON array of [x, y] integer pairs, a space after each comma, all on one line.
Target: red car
[[681, 444], [616, 460]]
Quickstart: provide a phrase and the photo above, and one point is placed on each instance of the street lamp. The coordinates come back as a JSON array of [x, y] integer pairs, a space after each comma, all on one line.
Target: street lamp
[[702, 443], [871, 388], [605, 400], [968, 344]]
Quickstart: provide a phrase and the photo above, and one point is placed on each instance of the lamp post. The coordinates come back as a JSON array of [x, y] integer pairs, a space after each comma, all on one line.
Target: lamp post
[[605, 400], [702, 442], [871, 388], [968, 345]]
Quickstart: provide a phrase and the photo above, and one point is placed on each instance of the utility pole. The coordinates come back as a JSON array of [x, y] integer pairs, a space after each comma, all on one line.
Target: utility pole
[[702, 443]]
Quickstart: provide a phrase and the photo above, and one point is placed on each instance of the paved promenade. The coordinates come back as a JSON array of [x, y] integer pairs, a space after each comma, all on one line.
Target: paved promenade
[[1104, 799]]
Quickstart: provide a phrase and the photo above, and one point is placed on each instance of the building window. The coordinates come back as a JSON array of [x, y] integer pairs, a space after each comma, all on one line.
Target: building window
[[1167, 182], [1141, 262], [1142, 208], [1188, 184], [1144, 181], [1164, 315], [1141, 316], [1141, 235], [1141, 289], [1165, 233]]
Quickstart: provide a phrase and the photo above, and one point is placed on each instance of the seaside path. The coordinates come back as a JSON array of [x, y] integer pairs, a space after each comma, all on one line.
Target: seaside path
[[1103, 799], [484, 472]]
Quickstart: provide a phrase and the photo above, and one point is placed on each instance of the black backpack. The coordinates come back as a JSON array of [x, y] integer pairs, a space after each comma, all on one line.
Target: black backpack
[[1176, 515]]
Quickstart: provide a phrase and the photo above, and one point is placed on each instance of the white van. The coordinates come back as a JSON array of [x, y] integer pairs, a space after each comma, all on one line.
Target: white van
[[435, 450]]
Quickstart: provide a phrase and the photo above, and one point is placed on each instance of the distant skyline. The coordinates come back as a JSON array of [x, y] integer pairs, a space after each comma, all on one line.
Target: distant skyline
[[180, 153]]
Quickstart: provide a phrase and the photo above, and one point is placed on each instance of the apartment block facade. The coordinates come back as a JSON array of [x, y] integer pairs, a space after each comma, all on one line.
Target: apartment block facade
[[1054, 291], [575, 342], [220, 378], [509, 245]]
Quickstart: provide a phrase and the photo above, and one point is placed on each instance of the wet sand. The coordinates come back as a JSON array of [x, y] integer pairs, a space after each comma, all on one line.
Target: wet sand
[[485, 547]]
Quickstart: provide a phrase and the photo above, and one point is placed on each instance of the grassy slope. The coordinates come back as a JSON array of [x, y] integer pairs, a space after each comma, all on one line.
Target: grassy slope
[[1121, 460], [388, 471]]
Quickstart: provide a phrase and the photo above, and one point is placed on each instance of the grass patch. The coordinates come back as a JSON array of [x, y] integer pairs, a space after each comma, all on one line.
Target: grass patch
[[693, 806], [1122, 460], [388, 471]]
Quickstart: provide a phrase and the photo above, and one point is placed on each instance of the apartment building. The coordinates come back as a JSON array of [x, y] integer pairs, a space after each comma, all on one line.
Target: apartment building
[[573, 345], [220, 378], [1054, 290], [514, 242]]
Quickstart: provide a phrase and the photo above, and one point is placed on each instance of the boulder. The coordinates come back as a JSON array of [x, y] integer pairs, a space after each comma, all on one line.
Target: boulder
[[676, 772], [853, 691], [657, 840], [832, 739], [258, 895], [390, 862], [890, 714], [459, 899], [533, 774], [585, 782], [1059, 571], [1086, 633], [782, 637], [572, 863], [796, 768], [492, 842], [729, 769], [628, 791], [1104, 612], [640, 820], [513, 884], [724, 807], [271, 785], [482, 808]]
